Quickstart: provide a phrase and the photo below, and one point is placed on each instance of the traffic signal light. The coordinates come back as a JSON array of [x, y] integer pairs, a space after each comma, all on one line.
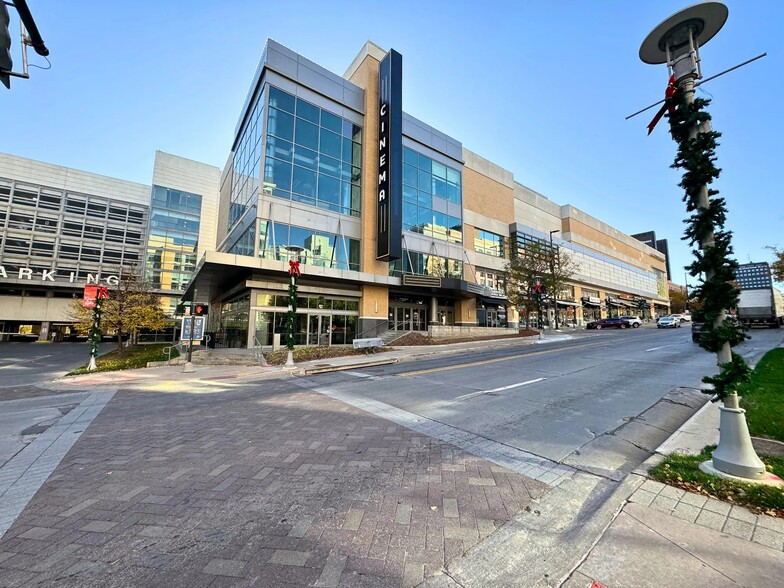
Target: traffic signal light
[[201, 309], [6, 62]]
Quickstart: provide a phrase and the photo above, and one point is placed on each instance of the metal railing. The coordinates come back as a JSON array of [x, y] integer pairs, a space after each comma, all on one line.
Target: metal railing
[[257, 351], [168, 352]]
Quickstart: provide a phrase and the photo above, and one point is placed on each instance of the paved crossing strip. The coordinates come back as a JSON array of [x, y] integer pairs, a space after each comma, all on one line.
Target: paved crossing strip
[[25, 473], [521, 462]]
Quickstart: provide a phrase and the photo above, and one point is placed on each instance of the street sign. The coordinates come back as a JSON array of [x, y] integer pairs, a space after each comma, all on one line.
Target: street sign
[[93, 293], [198, 329]]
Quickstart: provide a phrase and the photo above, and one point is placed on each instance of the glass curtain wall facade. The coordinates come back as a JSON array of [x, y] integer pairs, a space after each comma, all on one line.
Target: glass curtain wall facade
[[247, 156], [312, 156], [318, 248], [489, 243], [428, 188], [174, 238]]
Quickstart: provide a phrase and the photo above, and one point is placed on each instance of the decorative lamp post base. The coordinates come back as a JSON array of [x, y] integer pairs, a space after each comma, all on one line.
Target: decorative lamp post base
[[290, 360], [735, 454]]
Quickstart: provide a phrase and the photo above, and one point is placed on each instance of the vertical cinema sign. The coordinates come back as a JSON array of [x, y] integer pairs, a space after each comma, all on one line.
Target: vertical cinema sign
[[389, 211]]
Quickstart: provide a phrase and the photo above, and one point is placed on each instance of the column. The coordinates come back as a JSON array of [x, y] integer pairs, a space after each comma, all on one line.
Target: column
[[433, 311], [43, 334]]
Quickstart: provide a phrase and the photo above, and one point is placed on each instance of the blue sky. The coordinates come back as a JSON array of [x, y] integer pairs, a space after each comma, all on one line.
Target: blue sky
[[540, 88]]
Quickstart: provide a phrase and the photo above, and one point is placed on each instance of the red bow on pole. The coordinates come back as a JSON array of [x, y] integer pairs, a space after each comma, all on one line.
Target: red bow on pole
[[668, 94], [294, 268]]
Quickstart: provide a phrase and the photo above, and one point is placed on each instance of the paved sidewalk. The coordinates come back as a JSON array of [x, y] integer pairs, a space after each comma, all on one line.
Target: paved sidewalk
[[665, 536], [271, 486]]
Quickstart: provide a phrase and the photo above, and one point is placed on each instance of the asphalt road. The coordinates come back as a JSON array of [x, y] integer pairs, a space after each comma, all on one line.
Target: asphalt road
[[28, 364], [602, 400]]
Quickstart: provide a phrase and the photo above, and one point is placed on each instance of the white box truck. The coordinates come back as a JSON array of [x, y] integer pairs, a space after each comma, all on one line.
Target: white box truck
[[760, 303]]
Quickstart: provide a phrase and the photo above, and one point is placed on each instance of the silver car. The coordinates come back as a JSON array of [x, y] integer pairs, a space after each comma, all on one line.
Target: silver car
[[669, 322]]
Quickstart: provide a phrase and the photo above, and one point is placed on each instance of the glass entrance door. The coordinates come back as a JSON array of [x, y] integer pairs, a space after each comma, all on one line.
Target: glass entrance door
[[407, 318], [492, 317], [319, 329]]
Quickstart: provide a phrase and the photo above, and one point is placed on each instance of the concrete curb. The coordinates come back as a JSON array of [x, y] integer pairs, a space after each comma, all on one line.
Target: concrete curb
[[337, 368], [544, 544]]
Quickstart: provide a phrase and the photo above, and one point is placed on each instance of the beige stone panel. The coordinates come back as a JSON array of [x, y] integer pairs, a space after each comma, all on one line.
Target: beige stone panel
[[488, 197], [34, 309], [366, 77], [465, 311], [469, 234], [374, 302], [644, 260]]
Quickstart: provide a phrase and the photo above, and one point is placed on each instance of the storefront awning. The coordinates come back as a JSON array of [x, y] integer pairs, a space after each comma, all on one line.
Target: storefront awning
[[591, 303], [493, 301], [566, 303]]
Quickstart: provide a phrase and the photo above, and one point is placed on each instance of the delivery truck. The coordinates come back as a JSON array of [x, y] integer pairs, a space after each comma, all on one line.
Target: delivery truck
[[760, 303]]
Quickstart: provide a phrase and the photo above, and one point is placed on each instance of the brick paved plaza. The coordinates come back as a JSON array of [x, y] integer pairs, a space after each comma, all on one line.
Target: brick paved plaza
[[273, 486]]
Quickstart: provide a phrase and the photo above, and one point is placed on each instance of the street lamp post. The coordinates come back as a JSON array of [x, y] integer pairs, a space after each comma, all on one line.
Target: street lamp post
[[676, 41], [552, 277]]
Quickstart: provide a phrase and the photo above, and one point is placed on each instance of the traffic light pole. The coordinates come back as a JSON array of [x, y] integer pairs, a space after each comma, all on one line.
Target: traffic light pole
[[188, 364]]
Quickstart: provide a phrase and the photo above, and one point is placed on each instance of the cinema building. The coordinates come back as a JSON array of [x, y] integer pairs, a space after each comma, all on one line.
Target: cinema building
[[396, 225]]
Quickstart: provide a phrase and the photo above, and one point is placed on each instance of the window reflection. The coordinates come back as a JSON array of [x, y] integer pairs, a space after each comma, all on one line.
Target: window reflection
[[414, 262], [318, 248], [429, 185], [325, 150]]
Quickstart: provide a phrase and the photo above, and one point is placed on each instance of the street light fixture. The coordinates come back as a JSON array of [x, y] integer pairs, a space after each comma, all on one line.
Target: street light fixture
[[552, 277]]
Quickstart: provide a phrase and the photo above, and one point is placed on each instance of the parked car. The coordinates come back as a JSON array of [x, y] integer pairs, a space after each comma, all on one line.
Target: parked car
[[695, 331], [608, 323], [668, 322], [634, 321], [684, 318]]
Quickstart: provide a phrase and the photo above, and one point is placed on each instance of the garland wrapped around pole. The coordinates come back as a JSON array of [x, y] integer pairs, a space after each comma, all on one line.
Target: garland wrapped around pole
[[714, 268], [94, 335], [291, 315]]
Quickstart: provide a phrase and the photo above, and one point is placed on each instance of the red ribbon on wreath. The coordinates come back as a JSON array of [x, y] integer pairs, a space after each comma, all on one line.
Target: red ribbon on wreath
[[668, 94], [294, 268]]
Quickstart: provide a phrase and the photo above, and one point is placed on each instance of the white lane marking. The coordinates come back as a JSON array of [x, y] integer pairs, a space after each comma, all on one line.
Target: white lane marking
[[472, 394], [361, 375], [662, 347], [21, 361]]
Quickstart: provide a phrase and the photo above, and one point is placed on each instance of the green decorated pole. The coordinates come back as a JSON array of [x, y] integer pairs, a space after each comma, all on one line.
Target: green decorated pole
[[676, 41], [291, 315], [94, 335]]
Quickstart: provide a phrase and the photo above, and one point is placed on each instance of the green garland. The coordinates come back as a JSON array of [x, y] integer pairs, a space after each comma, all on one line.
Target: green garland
[[291, 317], [94, 335], [697, 156]]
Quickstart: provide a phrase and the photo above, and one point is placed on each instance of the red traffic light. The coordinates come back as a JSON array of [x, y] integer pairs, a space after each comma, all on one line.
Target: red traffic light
[[201, 309]]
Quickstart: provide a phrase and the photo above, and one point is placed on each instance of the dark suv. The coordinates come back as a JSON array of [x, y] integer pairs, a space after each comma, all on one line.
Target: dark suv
[[696, 327]]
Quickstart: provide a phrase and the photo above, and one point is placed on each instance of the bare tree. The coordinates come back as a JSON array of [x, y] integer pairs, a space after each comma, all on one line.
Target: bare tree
[[538, 263]]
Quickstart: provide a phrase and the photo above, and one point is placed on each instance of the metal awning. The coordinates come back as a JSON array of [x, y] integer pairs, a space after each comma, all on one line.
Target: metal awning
[[490, 300], [587, 302], [566, 303]]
